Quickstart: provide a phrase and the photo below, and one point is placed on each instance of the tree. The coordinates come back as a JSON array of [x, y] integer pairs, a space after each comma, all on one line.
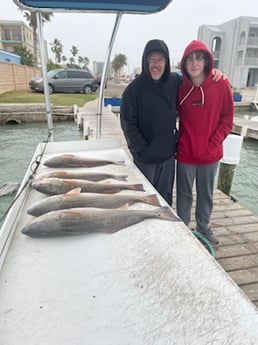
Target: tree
[[57, 49], [71, 62], [86, 62], [74, 51], [118, 63], [31, 17], [83, 62], [25, 54], [64, 59], [51, 65]]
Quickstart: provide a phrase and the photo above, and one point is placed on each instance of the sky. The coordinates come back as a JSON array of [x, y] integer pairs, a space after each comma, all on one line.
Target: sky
[[177, 25]]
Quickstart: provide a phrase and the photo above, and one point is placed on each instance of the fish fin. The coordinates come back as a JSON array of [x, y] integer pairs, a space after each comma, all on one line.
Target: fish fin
[[75, 191], [152, 200], [72, 211], [121, 177], [69, 182], [125, 206], [120, 163], [138, 186], [166, 213], [58, 173]]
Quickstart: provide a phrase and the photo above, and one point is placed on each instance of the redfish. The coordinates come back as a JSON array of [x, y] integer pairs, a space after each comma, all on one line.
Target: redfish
[[53, 186], [75, 161], [87, 220], [83, 175], [75, 199]]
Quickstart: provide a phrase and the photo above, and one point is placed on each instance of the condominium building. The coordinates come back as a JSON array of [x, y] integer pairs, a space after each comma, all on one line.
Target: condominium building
[[234, 45], [15, 33]]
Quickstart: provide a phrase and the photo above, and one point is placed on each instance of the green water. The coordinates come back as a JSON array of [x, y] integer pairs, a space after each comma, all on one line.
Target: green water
[[18, 144]]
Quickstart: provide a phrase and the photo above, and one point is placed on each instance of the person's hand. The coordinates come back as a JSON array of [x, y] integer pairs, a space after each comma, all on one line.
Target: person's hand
[[217, 75]]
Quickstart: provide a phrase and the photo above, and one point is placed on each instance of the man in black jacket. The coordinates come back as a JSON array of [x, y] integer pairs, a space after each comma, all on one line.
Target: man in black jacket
[[148, 118]]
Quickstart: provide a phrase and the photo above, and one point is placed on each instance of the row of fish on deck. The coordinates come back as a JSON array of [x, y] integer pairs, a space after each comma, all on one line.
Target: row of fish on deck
[[82, 202]]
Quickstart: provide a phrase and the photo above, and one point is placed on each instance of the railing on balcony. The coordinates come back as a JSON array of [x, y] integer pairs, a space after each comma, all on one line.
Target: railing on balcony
[[252, 41], [251, 61]]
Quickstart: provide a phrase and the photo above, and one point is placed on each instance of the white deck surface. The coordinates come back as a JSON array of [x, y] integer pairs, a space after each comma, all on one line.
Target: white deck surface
[[152, 283]]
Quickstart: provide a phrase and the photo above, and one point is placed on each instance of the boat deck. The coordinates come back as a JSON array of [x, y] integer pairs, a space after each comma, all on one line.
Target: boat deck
[[236, 227]]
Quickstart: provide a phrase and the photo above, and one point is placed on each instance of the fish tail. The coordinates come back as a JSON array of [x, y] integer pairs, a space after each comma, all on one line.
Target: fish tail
[[152, 200], [167, 214], [138, 186]]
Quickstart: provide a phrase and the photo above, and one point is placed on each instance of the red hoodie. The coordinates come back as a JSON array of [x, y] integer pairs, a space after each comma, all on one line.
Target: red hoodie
[[205, 112]]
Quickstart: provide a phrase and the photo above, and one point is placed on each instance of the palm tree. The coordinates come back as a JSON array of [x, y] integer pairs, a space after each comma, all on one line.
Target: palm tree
[[31, 17], [74, 51], [64, 59], [71, 61], [57, 49], [80, 60], [118, 63], [86, 62]]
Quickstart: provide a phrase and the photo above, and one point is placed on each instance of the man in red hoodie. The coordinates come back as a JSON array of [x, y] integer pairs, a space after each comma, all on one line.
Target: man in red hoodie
[[206, 118]]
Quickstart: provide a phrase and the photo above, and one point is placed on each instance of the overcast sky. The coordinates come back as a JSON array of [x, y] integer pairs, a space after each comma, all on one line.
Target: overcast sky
[[177, 25]]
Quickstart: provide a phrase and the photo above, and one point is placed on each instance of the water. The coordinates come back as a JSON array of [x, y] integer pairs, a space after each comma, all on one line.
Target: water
[[18, 144], [245, 182]]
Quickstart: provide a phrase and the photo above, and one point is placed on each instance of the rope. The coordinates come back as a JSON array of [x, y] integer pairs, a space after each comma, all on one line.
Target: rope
[[204, 241]]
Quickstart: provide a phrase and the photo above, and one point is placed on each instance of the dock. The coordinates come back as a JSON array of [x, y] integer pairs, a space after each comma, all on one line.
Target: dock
[[246, 127], [235, 226]]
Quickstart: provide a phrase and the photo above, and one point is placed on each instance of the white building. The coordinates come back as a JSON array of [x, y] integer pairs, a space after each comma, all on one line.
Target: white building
[[235, 49]]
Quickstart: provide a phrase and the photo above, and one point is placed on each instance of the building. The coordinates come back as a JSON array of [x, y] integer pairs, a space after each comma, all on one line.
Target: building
[[9, 57], [15, 33], [98, 69], [235, 49]]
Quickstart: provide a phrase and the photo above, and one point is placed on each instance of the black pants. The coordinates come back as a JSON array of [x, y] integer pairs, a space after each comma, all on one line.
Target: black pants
[[161, 176]]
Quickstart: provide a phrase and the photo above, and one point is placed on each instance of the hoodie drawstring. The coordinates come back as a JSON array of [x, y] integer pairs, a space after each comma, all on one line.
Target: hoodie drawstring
[[188, 93]]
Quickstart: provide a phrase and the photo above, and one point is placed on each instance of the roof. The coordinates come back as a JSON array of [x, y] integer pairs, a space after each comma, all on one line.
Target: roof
[[127, 6]]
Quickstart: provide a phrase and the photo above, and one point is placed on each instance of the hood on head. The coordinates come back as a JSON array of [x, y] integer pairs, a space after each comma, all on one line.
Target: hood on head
[[155, 45], [193, 47]]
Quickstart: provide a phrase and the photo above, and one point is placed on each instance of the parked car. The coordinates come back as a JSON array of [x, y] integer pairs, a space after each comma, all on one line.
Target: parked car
[[66, 80], [98, 79]]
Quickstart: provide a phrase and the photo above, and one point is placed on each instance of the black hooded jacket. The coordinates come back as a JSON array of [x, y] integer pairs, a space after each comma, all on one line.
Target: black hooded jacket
[[148, 111]]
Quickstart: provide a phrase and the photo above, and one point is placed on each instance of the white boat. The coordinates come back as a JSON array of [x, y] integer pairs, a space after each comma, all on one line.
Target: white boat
[[152, 283]]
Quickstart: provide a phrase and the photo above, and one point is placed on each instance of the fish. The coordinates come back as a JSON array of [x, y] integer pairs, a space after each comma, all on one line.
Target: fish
[[53, 186], [83, 175], [76, 161], [77, 221], [9, 188], [75, 199]]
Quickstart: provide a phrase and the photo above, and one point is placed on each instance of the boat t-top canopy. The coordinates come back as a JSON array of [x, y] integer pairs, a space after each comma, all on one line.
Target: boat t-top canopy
[[102, 6], [125, 6]]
